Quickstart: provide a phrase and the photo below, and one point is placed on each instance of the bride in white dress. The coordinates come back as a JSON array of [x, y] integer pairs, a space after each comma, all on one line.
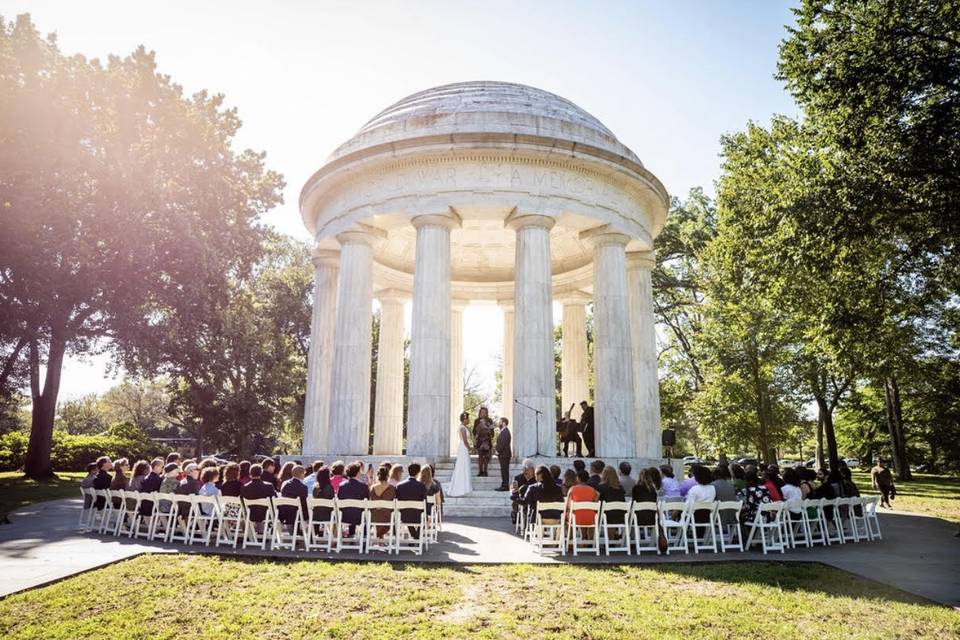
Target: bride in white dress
[[461, 484]]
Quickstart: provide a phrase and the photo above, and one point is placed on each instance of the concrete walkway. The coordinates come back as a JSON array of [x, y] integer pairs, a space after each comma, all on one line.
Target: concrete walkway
[[918, 554]]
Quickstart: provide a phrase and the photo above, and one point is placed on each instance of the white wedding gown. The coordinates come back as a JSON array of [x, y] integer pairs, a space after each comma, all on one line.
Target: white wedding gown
[[461, 483]]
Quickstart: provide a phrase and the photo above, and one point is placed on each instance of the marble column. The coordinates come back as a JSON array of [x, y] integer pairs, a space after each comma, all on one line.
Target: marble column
[[350, 377], [456, 370], [388, 409], [612, 354], [323, 322], [574, 372], [428, 405], [533, 374], [646, 382], [506, 381]]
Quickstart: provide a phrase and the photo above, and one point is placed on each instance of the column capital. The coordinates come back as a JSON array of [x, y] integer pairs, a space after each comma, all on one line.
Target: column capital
[[575, 298], [517, 220], [361, 234], [395, 296], [642, 259], [325, 257], [605, 235], [450, 220]]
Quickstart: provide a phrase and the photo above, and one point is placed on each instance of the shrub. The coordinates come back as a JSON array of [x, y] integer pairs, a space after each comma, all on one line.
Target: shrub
[[73, 452]]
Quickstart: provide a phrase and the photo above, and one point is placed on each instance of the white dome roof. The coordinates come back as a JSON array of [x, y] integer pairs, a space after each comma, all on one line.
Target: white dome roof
[[485, 108]]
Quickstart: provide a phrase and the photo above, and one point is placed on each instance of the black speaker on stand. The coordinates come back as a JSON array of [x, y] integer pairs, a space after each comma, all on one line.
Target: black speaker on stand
[[668, 438]]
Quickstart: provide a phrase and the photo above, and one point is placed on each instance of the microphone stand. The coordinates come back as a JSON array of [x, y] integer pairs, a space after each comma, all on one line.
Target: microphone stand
[[538, 413]]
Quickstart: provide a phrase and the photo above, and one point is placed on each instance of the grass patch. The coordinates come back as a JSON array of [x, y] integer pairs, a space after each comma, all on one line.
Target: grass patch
[[164, 596], [16, 491], [927, 493]]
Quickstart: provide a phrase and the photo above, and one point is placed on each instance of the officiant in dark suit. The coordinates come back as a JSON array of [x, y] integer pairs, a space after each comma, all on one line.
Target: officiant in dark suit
[[504, 453]]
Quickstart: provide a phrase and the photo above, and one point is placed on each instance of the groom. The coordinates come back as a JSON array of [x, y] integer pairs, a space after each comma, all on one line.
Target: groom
[[504, 453]]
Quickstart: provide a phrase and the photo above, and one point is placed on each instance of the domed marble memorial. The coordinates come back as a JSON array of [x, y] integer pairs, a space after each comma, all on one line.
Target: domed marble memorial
[[482, 191]]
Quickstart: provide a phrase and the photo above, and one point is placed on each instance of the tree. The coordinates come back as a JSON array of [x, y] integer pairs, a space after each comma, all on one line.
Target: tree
[[118, 191], [143, 403]]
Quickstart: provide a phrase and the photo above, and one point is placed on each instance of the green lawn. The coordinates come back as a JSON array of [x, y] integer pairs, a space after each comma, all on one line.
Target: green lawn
[[16, 492], [163, 596], [930, 494]]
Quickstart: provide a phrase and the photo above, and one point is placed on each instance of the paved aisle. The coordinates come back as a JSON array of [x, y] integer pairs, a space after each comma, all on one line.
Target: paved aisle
[[918, 554]]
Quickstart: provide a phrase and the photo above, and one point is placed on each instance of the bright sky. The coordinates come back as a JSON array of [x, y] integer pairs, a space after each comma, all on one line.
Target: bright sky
[[668, 78]]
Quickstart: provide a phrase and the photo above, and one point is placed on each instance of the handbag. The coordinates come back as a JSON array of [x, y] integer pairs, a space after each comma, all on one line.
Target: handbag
[[662, 543]]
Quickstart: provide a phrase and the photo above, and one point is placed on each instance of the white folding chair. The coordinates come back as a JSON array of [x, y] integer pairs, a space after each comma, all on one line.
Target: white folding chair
[[405, 539], [185, 509], [286, 536], [870, 517], [86, 508], [674, 517], [98, 521], [343, 538], [575, 532], [767, 522], [816, 521], [163, 518], [230, 521], [855, 525], [127, 516], [108, 517], [796, 530], [836, 521], [320, 532], [611, 543], [550, 535], [256, 534], [385, 542], [434, 517], [141, 522], [645, 536], [707, 528], [205, 514], [729, 529]]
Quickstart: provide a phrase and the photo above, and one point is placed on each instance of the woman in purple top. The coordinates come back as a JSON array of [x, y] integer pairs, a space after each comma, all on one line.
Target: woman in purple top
[[671, 488]]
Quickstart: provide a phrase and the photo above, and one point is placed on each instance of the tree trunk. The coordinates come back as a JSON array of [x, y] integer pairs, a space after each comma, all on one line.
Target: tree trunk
[[37, 464], [898, 444], [826, 419], [819, 455]]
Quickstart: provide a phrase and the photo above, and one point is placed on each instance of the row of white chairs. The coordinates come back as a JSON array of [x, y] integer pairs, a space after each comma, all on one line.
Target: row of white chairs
[[704, 526], [226, 520]]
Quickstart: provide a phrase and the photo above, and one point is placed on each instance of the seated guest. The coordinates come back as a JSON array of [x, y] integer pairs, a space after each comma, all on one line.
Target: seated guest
[[725, 492], [257, 489], [611, 491], [396, 475], [189, 485], [231, 485], [353, 489], [569, 480], [174, 458], [312, 476], [244, 472], [286, 472], [626, 481], [140, 471], [87, 483], [583, 492], [383, 491], [645, 490], [850, 490], [169, 484], [120, 480], [702, 491], [543, 490], [557, 475], [411, 489], [521, 481], [336, 474], [671, 488], [323, 490], [770, 478], [807, 478], [596, 468], [579, 465], [208, 487], [773, 473], [688, 483], [294, 487], [269, 473], [738, 481], [791, 491], [754, 494], [433, 487]]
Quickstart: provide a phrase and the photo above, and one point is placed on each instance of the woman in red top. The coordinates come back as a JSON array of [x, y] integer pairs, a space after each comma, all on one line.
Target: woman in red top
[[768, 482], [583, 492]]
